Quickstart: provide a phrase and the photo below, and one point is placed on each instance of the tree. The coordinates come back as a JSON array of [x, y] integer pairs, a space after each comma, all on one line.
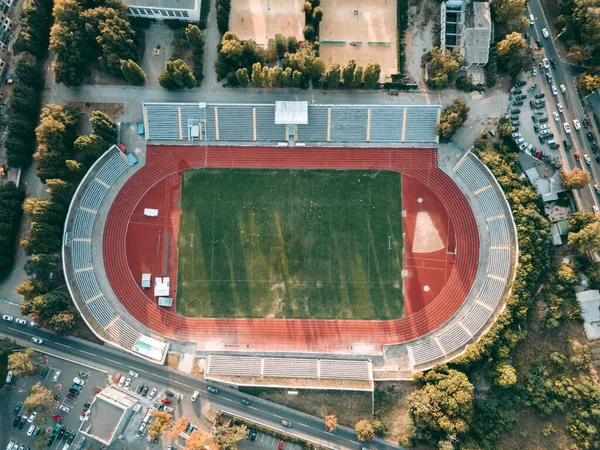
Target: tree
[[332, 77], [91, 144], [177, 75], [348, 73], [31, 288], [40, 399], [508, 10], [281, 45], [45, 307], [228, 436], [28, 72], [223, 9], [575, 179], [276, 77], [63, 323], [296, 78], [160, 424], [371, 75], [358, 77], [194, 36], [587, 239], [75, 166], [505, 375], [287, 76], [34, 36], [505, 128], [198, 440], [43, 265], [257, 75], [513, 54], [364, 430], [242, 76], [21, 363], [581, 219], [11, 198], [132, 72], [453, 117], [441, 67], [579, 53], [309, 33], [331, 423], [443, 406], [103, 126], [317, 15], [179, 427], [588, 82], [7, 346]]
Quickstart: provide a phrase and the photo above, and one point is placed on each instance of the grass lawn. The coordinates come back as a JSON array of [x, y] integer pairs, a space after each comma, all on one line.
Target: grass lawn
[[290, 243]]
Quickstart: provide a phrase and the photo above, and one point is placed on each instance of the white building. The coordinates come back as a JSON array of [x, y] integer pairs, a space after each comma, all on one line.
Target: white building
[[108, 415], [186, 10]]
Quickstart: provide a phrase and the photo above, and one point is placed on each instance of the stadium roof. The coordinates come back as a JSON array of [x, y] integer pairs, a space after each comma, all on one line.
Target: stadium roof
[[291, 112]]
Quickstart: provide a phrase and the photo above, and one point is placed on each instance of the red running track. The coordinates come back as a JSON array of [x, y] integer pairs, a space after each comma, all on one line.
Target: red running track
[[302, 335]]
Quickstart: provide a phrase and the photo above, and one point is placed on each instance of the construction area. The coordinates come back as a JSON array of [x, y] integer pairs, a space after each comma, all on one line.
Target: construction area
[[364, 31], [261, 20]]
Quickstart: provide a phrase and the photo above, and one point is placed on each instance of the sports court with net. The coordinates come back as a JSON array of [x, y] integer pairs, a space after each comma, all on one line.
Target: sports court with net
[[361, 30]]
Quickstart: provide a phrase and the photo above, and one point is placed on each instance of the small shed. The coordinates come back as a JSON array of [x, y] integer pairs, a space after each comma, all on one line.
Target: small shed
[[161, 286], [151, 212], [165, 301], [146, 280]]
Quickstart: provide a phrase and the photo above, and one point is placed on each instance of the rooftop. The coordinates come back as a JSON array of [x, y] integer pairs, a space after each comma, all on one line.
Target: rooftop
[[547, 181], [590, 311], [478, 33], [168, 4], [105, 413]]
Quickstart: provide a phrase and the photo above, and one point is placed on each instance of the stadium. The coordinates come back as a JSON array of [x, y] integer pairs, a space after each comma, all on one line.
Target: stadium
[[291, 244]]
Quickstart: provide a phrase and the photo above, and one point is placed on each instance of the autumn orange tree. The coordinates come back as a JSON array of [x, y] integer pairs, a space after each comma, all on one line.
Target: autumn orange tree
[[179, 427], [575, 179], [331, 423]]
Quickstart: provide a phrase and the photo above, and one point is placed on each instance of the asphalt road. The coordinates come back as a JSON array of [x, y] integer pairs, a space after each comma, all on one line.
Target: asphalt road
[[565, 74], [228, 399]]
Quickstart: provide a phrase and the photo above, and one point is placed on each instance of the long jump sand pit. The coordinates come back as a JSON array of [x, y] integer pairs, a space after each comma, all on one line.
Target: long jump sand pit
[[261, 20], [372, 28]]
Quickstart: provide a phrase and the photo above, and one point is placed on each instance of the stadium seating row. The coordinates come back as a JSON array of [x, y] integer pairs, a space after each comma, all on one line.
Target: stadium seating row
[[432, 348], [81, 251], [268, 367]]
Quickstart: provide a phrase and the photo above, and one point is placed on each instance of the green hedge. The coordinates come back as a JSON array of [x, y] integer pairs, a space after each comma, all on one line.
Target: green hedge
[[402, 25]]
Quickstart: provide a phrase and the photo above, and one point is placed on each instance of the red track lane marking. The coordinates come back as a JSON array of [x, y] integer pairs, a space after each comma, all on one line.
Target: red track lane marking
[[291, 334]]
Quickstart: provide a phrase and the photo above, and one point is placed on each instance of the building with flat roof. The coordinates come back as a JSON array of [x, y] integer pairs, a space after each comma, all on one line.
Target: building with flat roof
[[466, 26], [186, 10], [108, 415]]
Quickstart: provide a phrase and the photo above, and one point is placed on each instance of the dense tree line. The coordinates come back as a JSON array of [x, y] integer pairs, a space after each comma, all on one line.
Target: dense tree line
[[223, 10], [11, 198], [84, 32], [313, 15], [24, 104], [352, 76], [581, 20], [55, 136], [34, 37]]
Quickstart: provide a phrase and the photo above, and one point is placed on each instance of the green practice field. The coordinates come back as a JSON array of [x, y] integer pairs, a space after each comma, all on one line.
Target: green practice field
[[290, 243]]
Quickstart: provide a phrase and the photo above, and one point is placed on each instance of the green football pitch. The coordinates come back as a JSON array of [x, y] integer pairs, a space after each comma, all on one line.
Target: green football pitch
[[290, 243]]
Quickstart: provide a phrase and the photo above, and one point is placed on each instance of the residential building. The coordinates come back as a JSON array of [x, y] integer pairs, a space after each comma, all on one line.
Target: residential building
[[185, 10]]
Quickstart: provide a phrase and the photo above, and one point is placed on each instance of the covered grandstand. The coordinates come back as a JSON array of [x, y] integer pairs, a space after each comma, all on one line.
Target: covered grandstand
[[248, 122]]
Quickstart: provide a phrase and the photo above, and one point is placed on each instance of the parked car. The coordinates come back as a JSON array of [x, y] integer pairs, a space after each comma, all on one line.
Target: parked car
[[594, 147], [44, 373], [195, 395], [521, 97], [17, 408], [544, 127], [515, 123], [554, 146], [32, 417], [145, 391], [127, 382], [515, 117], [543, 120], [545, 33], [22, 423], [518, 103], [17, 421], [516, 135], [540, 95], [546, 63], [518, 84], [8, 318], [151, 394], [139, 388], [61, 433], [585, 122], [588, 161], [58, 418], [122, 380], [56, 376], [517, 91], [21, 321], [515, 111], [31, 430], [76, 386], [539, 43], [79, 381], [536, 128], [532, 104], [590, 136], [64, 408], [534, 119]]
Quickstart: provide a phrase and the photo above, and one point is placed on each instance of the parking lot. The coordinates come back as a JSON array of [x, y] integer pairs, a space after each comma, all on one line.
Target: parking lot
[[56, 375], [537, 110]]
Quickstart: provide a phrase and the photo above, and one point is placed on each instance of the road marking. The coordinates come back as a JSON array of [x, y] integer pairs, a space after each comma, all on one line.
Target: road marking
[[158, 376], [88, 353], [303, 424], [278, 416], [227, 399], [19, 331], [63, 345], [183, 384], [253, 407], [354, 442]]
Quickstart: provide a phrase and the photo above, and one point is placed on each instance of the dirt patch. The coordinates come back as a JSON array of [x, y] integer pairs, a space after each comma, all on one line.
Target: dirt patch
[[101, 78], [113, 110], [348, 406], [198, 368], [418, 38], [391, 406], [173, 360]]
